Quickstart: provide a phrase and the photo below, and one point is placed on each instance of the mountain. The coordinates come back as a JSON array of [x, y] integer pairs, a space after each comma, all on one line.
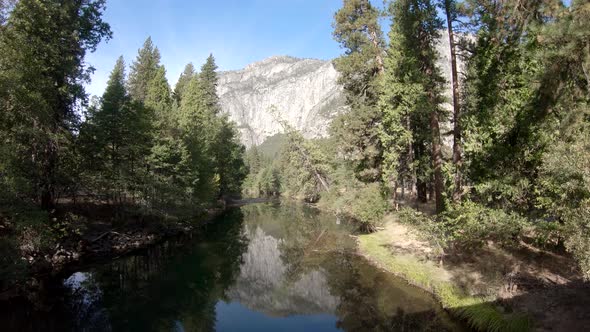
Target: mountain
[[303, 91]]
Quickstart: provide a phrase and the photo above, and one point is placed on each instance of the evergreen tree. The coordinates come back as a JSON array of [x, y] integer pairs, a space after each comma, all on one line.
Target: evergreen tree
[[356, 28], [185, 77], [451, 13], [411, 97], [198, 126], [158, 97], [228, 154], [504, 134], [39, 93], [208, 79], [115, 140], [143, 70]]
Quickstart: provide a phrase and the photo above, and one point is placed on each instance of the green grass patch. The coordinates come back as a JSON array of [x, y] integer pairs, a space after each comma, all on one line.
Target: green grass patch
[[480, 313]]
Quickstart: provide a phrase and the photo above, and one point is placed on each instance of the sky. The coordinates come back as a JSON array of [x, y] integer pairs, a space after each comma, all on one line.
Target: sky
[[236, 32]]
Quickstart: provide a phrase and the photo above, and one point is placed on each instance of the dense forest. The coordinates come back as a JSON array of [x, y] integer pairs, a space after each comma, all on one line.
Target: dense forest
[[507, 162], [140, 146]]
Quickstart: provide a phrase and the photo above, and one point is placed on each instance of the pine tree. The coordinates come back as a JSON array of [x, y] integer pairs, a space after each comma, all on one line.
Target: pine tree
[[158, 96], [39, 93], [411, 97], [115, 140], [356, 28], [198, 130], [143, 70], [503, 131], [229, 158], [450, 8], [185, 77], [208, 79]]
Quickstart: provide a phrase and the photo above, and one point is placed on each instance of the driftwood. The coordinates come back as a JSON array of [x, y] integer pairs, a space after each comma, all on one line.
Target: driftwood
[[107, 233]]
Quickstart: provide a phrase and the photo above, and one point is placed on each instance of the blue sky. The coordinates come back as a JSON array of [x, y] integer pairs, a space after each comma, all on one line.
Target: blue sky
[[237, 32]]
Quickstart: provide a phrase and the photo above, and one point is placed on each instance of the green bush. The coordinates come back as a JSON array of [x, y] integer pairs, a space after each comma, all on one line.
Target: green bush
[[467, 225], [363, 203], [471, 224], [368, 205], [577, 229]]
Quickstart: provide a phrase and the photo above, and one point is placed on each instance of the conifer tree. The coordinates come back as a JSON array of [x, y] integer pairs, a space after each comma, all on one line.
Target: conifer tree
[[197, 126], [208, 79], [39, 94], [158, 97], [143, 70], [501, 124], [411, 97], [356, 28], [451, 12], [185, 77], [115, 140]]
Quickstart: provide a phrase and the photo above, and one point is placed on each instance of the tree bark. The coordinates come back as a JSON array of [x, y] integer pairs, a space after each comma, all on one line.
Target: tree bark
[[48, 169], [378, 56], [421, 191], [457, 147], [373, 37], [437, 160]]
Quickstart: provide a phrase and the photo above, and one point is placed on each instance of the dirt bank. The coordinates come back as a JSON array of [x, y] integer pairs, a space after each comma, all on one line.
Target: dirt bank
[[99, 234], [492, 288]]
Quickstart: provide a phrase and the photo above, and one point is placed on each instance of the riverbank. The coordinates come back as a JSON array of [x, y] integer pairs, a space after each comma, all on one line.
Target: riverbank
[[93, 233], [491, 288]]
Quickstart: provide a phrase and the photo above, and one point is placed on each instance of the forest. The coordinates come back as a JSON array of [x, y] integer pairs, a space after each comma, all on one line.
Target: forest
[[506, 162], [498, 152], [140, 147]]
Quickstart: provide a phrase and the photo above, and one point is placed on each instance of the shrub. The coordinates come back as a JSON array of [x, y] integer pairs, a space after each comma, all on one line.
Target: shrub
[[471, 224], [467, 225], [577, 229], [363, 203]]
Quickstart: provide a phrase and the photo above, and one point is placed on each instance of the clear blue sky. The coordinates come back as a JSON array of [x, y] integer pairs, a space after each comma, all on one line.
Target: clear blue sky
[[237, 32]]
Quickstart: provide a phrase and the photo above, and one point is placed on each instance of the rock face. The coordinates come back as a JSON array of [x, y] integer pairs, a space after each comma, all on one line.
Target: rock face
[[262, 284], [303, 91]]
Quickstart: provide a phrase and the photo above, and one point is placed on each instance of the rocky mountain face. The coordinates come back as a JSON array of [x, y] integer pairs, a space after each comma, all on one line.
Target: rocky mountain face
[[304, 93], [263, 285]]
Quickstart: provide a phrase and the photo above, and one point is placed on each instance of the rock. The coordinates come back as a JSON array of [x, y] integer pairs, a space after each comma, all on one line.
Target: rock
[[304, 92]]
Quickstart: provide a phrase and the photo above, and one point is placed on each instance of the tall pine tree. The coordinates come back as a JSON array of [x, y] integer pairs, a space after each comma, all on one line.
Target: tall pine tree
[[40, 93], [411, 97], [143, 70], [356, 28], [185, 77]]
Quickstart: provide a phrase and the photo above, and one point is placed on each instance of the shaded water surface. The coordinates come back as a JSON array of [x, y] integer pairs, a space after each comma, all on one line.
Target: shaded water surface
[[262, 267]]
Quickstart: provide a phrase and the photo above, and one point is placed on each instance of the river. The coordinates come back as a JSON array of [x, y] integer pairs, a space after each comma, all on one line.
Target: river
[[261, 267]]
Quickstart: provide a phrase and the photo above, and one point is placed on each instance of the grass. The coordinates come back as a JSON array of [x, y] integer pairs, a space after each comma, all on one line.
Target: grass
[[480, 313]]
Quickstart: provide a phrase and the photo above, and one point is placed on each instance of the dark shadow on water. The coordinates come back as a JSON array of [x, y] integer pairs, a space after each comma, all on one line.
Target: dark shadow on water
[[261, 267]]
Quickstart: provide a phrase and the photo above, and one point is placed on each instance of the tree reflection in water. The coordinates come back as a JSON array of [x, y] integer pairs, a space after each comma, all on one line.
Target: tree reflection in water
[[275, 266]]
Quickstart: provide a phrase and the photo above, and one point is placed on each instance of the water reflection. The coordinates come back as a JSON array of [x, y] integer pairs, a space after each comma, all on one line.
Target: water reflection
[[263, 267]]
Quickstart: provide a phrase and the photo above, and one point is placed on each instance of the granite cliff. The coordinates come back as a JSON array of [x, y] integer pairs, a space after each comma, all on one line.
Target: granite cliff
[[305, 93]]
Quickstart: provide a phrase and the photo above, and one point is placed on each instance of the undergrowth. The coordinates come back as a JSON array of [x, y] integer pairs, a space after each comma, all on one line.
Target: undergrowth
[[480, 313]]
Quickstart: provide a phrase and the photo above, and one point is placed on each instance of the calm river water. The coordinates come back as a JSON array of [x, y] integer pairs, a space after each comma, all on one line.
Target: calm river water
[[262, 267]]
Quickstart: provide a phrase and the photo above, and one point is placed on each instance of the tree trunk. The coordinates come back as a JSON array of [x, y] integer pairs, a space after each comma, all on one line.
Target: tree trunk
[[437, 160], [373, 37], [457, 148], [394, 202], [431, 188], [422, 191], [378, 56], [47, 185]]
